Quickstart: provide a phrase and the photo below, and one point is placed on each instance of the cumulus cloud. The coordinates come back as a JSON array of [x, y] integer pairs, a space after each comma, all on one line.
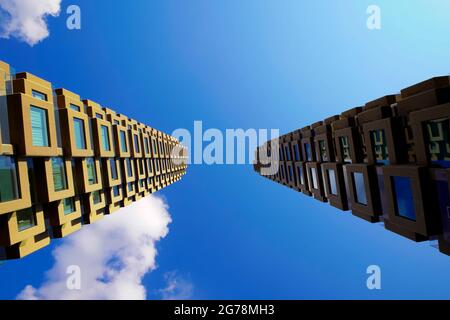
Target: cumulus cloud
[[177, 287], [113, 255], [26, 19]]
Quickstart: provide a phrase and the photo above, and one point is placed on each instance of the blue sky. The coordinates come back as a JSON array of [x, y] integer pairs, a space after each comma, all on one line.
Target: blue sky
[[250, 64]]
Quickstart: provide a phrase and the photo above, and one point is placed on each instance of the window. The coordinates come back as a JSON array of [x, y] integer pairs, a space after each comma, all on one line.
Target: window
[[129, 168], [146, 145], [78, 127], [282, 172], [98, 116], [26, 219], [116, 191], [116, 122], [155, 151], [300, 175], [380, 148], [323, 151], [150, 166], [141, 183], [9, 188], [157, 165], [136, 143], [288, 154], [403, 198], [123, 141], [105, 138], [308, 152], [281, 154], [39, 95], [313, 173], [69, 206], [91, 171], [96, 197], [345, 149], [297, 154], [359, 188], [437, 136], [130, 187], [113, 166], [75, 107], [59, 174], [39, 126], [332, 182], [290, 173]]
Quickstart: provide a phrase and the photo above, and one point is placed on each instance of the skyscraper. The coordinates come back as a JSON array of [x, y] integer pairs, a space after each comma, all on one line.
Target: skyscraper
[[387, 161], [66, 162]]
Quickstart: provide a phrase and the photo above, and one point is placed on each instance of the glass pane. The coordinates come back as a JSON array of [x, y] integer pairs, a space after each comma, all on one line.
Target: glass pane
[[69, 206], [360, 188], [323, 151], [78, 127], [332, 179], [136, 143], [39, 126], [91, 170], [437, 133], [59, 174], [105, 138], [297, 155], [150, 166], [308, 152], [123, 141], [314, 178], [39, 95], [9, 188], [300, 175], [96, 197], [130, 187], [25, 219], [404, 201], [116, 191], [380, 148], [345, 149], [113, 166], [129, 169], [146, 145], [74, 107], [288, 154]]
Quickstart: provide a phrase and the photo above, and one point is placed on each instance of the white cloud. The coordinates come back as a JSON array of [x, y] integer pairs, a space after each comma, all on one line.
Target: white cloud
[[25, 19], [113, 254], [177, 288]]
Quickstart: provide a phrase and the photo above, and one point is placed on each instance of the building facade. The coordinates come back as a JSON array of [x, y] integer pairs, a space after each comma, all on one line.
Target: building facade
[[387, 161], [67, 162]]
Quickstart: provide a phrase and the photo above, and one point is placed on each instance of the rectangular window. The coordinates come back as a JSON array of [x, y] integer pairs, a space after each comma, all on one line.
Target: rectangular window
[[308, 152], [404, 199], [39, 126], [146, 145], [297, 154], [332, 182], [282, 172], [123, 141], [300, 175], [26, 219], [116, 122], [129, 169], [59, 174], [80, 137], [313, 173], [288, 154], [437, 136], [380, 148], [150, 166], [98, 116], [105, 138], [290, 173], [136, 143], [141, 183], [323, 151], [96, 197], [345, 149], [116, 191], [39, 95], [155, 151], [9, 186], [113, 166], [91, 171], [359, 188], [69, 206], [130, 187], [157, 165], [75, 107]]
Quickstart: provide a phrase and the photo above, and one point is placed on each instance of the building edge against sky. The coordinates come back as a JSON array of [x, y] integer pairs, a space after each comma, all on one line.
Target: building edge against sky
[[66, 162], [387, 161]]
